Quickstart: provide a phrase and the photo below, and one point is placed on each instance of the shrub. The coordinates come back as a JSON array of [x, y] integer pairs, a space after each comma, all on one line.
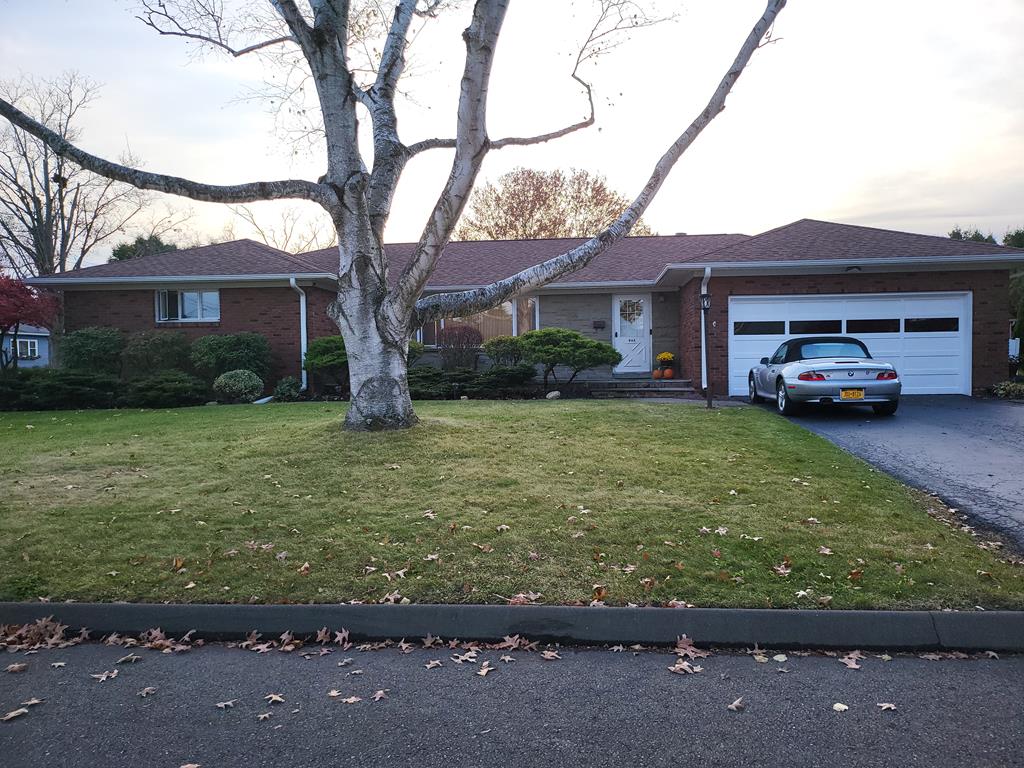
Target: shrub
[[48, 389], [503, 382], [459, 345], [551, 347], [147, 352], [326, 358], [239, 386], [287, 390], [166, 389], [214, 355], [428, 383], [1010, 390], [97, 350], [416, 350], [504, 351]]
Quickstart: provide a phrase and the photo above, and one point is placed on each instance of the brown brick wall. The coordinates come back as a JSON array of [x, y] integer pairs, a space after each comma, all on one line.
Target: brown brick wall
[[990, 301], [274, 312]]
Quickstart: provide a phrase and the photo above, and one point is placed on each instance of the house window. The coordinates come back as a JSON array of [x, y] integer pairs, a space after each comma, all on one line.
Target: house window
[[187, 306], [511, 318], [28, 349]]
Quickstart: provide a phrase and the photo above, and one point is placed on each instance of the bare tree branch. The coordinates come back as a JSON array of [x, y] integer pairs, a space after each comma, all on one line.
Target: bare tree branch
[[202, 21], [463, 303], [175, 185]]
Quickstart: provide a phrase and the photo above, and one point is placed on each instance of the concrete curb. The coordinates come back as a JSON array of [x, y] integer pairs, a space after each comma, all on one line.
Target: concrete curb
[[892, 630]]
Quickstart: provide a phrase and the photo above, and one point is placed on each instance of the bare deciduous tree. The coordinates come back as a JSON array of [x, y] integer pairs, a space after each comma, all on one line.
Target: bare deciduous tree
[[526, 204], [52, 212], [376, 315], [294, 231]]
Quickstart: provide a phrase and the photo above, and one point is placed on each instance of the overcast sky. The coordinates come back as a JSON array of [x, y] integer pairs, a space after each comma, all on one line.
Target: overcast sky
[[907, 115]]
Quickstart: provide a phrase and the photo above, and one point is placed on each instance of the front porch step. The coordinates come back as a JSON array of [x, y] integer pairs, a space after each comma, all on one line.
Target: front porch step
[[616, 392], [595, 385]]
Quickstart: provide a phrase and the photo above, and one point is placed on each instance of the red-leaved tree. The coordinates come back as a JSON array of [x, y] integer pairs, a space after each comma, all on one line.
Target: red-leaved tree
[[21, 305]]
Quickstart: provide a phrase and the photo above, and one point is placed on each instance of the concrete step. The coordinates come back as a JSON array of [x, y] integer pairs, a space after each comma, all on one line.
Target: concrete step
[[637, 384], [625, 392]]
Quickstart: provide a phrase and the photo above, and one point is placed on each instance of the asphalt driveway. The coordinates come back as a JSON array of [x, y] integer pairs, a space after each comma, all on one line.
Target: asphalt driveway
[[969, 451]]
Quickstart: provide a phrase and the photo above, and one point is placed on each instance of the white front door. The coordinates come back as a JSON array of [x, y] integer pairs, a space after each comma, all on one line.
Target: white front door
[[631, 331]]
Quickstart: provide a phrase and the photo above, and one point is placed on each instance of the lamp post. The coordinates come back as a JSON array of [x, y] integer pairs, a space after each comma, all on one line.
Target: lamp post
[[705, 307]]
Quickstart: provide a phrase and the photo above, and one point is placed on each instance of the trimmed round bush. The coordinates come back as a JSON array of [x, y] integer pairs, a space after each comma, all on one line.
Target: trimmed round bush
[[239, 386], [167, 389], [96, 350], [216, 354], [287, 390]]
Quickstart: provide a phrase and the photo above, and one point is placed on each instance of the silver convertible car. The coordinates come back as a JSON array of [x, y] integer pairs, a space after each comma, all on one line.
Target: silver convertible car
[[827, 370]]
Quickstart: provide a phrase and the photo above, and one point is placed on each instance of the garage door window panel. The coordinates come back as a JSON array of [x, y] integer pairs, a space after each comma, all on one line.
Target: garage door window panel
[[931, 324], [881, 325], [815, 326], [758, 327]]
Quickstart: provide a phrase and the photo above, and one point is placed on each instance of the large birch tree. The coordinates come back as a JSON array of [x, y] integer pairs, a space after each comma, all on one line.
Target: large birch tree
[[377, 316]]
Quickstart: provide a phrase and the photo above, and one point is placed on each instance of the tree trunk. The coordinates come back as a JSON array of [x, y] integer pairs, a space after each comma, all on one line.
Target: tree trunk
[[377, 345]]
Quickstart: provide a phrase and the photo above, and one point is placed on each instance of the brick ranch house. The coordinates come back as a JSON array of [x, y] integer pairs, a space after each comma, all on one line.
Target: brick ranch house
[[937, 308]]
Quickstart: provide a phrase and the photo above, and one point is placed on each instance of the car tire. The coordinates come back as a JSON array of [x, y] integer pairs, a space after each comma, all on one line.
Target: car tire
[[885, 409], [783, 404], [752, 391]]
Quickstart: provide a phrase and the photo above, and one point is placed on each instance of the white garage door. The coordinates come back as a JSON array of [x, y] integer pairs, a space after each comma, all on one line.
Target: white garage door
[[927, 336]]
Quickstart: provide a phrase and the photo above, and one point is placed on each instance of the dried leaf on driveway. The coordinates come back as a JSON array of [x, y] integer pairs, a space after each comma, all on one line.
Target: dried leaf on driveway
[[15, 668], [13, 714], [550, 655], [104, 676], [274, 698], [433, 664], [31, 702], [851, 663], [147, 691], [886, 706], [230, 704], [131, 658], [382, 694], [738, 705], [682, 667], [838, 707]]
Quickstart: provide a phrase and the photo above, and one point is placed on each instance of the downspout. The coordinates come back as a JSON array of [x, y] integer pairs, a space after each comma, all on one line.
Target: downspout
[[302, 329], [703, 332]]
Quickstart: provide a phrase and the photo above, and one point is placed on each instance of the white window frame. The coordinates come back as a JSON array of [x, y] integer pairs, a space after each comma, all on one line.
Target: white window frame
[[31, 344], [158, 295], [515, 318]]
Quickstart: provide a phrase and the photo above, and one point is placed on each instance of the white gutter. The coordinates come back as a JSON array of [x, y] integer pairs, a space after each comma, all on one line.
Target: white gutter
[[703, 333], [145, 279], [302, 329]]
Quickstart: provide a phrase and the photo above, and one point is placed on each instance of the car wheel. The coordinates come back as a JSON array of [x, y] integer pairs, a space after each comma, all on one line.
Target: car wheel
[[752, 388], [784, 405], [886, 409]]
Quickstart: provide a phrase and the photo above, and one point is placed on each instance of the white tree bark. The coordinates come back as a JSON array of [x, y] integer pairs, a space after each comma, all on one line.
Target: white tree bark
[[375, 319]]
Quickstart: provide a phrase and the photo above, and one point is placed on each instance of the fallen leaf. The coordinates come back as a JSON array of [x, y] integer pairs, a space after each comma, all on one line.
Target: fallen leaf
[[131, 658], [825, 551], [781, 658], [191, 765], [382, 694], [760, 658], [13, 714], [550, 655], [885, 706], [304, 568], [992, 654], [104, 676], [682, 667], [226, 704], [274, 698], [31, 702], [839, 707], [506, 658], [264, 716], [850, 662], [148, 691], [15, 668], [484, 669], [190, 585], [351, 700], [59, 664], [433, 664], [738, 705]]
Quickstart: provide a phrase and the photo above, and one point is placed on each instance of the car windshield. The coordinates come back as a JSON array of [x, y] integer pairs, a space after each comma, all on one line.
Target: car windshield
[[817, 349]]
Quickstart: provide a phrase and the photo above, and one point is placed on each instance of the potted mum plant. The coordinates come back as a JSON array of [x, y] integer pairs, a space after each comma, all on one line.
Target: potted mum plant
[[665, 363]]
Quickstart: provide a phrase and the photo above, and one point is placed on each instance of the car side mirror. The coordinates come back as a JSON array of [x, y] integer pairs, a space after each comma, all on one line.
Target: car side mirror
[[764, 361]]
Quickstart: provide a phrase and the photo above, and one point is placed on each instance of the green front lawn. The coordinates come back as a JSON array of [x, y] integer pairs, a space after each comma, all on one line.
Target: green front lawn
[[483, 501]]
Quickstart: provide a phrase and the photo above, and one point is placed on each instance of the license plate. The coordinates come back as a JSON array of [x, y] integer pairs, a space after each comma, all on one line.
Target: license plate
[[851, 394]]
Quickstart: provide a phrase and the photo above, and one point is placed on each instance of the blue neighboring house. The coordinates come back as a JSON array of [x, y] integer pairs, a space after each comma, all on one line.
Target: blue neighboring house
[[33, 347]]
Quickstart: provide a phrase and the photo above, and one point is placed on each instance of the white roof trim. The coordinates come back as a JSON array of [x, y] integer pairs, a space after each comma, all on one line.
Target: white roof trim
[[149, 279], [797, 264]]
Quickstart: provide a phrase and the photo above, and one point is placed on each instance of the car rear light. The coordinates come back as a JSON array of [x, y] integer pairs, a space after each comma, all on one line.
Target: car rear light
[[811, 376], [886, 375]]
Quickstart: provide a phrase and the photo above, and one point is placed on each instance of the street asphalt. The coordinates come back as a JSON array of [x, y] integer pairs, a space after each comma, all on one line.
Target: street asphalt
[[589, 708], [967, 450]]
